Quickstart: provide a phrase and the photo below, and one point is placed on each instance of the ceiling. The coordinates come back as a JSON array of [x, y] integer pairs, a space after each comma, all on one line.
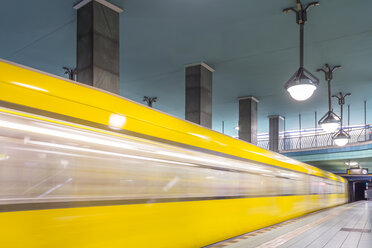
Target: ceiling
[[251, 44], [339, 166]]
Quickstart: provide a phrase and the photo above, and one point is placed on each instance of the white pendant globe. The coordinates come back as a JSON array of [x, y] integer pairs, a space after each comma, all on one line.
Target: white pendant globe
[[330, 127], [341, 138], [341, 141], [301, 92], [330, 122]]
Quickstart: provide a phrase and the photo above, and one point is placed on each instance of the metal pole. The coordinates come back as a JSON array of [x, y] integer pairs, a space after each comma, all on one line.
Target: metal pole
[[316, 131], [223, 127], [365, 120], [329, 95], [342, 115], [284, 138], [299, 124], [302, 45], [348, 117]]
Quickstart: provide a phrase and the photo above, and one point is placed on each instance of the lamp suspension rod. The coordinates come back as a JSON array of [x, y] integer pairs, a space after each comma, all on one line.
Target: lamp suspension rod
[[316, 126], [328, 72], [301, 18], [365, 119], [348, 116], [302, 44], [329, 95], [365, 113], [299, 123], [341, 102], [342, 115]]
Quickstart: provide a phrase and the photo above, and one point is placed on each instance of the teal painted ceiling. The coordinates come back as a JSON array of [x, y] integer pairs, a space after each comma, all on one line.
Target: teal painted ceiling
[[339, 166], [333, 158], [251, 44]]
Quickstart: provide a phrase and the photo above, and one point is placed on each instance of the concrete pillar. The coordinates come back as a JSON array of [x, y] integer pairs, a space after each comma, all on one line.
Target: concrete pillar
[[351, 188], [248, 119], [98, 44], [198, 106], [276, 129]]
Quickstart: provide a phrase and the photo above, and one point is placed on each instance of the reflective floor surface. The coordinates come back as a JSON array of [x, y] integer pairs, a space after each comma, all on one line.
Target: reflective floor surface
[[346, 226]]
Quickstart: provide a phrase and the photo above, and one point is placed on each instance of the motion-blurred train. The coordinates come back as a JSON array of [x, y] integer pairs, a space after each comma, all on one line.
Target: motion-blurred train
[[80, 167]]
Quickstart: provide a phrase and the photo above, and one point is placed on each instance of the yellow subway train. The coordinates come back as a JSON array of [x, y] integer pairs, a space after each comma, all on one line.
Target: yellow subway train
[[80, 167]]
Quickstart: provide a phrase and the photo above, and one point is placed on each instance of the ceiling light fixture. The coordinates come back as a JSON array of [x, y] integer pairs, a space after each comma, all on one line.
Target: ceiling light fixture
[[352, 164], [302, 84], [341, 137], [330, 121]]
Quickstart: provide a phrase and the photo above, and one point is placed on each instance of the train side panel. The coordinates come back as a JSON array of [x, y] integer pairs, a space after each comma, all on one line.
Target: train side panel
[[177, 224]]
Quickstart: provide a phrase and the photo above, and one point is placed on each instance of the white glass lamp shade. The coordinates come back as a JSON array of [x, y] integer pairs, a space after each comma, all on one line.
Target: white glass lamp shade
[[329, 127], [301, 92], [341, 138], [301, 85], [330, 123], [341, 141]]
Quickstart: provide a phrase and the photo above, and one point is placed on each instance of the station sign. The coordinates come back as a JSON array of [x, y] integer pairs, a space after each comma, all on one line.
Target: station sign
[[357, 171]]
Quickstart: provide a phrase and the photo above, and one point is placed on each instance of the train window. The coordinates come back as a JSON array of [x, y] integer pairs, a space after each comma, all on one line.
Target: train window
[[49, 167]]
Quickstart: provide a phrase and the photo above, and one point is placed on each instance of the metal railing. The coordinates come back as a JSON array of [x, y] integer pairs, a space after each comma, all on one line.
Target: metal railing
[[264, 143], [298, 142]]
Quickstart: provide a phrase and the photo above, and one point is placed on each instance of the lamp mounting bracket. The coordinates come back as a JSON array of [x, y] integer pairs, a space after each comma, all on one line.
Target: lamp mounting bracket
[[329, 113], [341, 97], [301, 72], [149, 100], [328, 71], [341, 101], [301, 12]]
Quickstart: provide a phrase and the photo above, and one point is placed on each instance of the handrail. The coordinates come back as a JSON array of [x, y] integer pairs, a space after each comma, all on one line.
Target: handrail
[[297, 142]]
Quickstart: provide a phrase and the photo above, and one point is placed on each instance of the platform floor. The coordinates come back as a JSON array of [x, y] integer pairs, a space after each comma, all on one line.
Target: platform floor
[[346, 226]]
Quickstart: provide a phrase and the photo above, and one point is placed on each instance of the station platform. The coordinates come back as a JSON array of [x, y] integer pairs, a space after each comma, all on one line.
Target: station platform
[[345, 226]]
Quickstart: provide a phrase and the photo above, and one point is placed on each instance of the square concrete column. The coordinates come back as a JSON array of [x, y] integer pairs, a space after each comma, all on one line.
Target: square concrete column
[[248, 119], [198, 106], [276, 130], [98, 44]]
